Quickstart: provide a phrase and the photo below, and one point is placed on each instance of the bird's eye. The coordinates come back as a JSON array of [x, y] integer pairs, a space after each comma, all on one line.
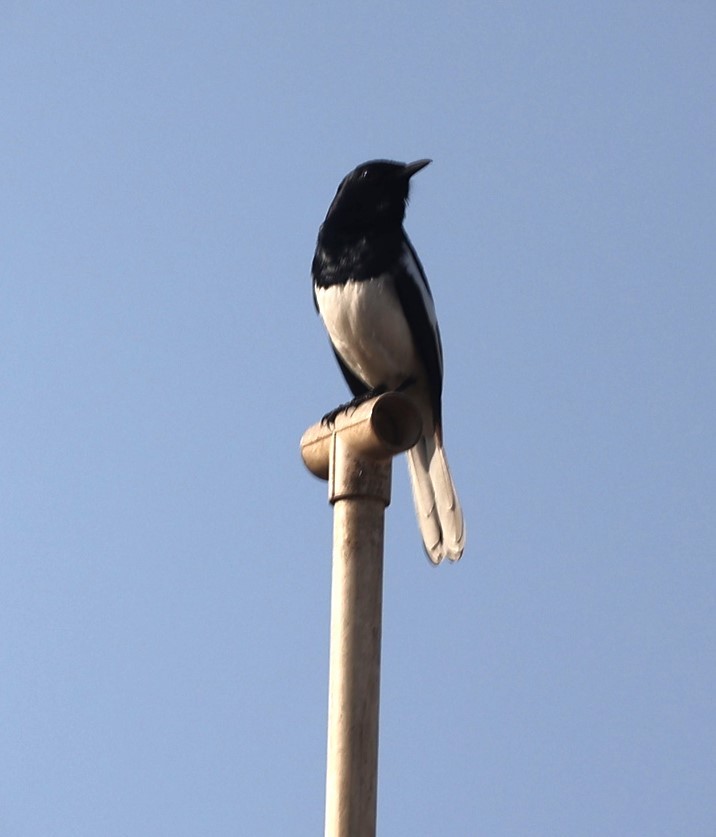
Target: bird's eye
[[364, 174]]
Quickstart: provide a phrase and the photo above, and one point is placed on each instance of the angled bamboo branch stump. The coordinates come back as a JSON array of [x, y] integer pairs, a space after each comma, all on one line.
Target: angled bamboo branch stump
[[355, 457]]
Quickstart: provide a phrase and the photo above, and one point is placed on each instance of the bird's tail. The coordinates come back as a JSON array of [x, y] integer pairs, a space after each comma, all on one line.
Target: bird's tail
[[436, 502]]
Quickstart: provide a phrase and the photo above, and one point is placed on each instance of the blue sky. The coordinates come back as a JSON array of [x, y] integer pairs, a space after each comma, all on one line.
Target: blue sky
[[164, 555]]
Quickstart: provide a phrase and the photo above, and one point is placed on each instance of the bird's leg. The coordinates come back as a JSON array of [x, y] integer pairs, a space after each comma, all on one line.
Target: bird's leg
[[408, 382], [330, 418]]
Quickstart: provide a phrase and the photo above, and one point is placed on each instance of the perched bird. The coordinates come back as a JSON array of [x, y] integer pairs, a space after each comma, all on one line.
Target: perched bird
[[371, 292]]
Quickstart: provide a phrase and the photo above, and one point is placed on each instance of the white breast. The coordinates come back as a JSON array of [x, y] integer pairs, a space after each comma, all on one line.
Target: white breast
[[368, 330]]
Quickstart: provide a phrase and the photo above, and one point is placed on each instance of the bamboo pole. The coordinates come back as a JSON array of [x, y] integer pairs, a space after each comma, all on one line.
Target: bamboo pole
[[355, 457]]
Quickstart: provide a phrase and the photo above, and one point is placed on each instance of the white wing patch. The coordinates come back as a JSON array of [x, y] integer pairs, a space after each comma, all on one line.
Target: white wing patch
[[415, 271]]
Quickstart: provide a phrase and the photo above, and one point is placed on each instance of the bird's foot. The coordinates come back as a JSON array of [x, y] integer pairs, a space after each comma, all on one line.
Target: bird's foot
[[330, 418]]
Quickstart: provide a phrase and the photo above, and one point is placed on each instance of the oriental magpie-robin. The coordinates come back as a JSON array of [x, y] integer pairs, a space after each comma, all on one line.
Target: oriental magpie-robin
[[371, 292]]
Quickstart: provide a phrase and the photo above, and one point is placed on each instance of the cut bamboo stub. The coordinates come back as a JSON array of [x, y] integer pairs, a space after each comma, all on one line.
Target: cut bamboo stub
[[355, 456], [377, 429]]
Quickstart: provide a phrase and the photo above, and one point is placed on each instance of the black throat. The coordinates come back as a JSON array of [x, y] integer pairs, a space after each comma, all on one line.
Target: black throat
[[343, 255]]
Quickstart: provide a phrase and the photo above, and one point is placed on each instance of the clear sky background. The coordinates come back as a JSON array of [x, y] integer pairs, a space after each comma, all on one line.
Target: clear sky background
[[165, 556]]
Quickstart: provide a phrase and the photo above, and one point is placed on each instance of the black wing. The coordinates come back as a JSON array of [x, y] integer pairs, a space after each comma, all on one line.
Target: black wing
[[416, 300]]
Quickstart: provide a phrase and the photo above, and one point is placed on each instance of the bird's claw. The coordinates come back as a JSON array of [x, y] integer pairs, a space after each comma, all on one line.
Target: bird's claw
[[330, 417], [329, 420]]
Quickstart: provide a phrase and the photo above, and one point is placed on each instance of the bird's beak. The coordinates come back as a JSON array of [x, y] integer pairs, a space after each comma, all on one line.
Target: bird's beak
[[413, 168]]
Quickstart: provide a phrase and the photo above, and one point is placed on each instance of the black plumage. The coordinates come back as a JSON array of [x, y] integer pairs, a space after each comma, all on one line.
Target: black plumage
[[371, 291]]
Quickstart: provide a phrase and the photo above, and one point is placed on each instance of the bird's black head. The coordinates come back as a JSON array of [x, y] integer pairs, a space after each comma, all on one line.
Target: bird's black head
[[372, 197]]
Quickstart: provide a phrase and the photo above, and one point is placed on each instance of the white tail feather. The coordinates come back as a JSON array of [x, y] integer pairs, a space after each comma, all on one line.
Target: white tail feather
[[436, 503]]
